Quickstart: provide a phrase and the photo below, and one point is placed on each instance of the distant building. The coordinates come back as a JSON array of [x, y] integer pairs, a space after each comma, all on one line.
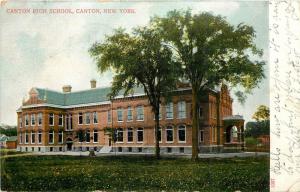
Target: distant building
[[84, 120], [8, 142]]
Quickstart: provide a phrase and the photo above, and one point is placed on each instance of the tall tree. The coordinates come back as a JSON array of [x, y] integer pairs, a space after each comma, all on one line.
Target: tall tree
[[139, 59], [211, 52], [262, 113]]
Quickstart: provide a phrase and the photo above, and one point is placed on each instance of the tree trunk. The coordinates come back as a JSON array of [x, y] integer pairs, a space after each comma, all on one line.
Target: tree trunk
[[195, 123], [157, 149]]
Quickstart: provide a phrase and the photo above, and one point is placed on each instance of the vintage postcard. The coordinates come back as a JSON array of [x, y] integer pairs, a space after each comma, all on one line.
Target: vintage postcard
[[104, 95]]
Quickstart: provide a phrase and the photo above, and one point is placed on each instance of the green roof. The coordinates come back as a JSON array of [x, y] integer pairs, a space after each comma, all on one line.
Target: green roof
[[12, 138], [78, 97]]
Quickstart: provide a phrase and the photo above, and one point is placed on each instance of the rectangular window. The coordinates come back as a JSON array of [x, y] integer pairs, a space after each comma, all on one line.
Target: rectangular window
[[51, 137], [60, 120], [21, 138], [181, 133], [51, 119], [181, 110], [159, 134], [201, 135], [129, 114], [95, 137], [32, 119], [169, 111], [87, 136], [140, 113], [109, 116], [40, 137], [129, 135], [80, 119], [140, 135], [60, 137], [40, 120], [169, 134], [26, 120], [69, 124], [120, 114], [20, 122], [32, 137], [26, 137], [87, 118], [95, 117], [119, 135]]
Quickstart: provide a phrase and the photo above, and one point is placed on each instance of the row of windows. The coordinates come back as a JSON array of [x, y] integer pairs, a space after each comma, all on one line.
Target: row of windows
[[32, 137], [85, 118], [169, 134]]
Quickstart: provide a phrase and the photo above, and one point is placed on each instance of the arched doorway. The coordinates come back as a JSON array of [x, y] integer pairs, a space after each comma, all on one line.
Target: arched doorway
[[69, 144], [231, 134]]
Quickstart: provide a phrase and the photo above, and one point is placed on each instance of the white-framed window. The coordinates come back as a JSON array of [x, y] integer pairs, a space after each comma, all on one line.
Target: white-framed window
[[140, 113], [109, 116], [120, 135], [40, 137], [60, 120], [169, 134], [26, 138], [51, 119], [51, 137], [140, 135], [181, 134], [201, 136], [87, 136], [95, 117], [32, 137], [130, 135], [129, 114], [60, 136], [40, 118], [32, 119], [181, 110], [95, 137], [80, 118], [26, 120], [21, 138], [87, 118], [120, 114], [69, 123], [169, 111], [159, 134], [20, 122]]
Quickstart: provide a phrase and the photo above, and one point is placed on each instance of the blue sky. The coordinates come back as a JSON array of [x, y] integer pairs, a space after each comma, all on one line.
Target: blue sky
[[50, 51]]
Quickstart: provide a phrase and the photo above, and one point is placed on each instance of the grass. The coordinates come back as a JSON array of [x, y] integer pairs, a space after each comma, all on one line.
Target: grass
[[5, 152], [70, 173]]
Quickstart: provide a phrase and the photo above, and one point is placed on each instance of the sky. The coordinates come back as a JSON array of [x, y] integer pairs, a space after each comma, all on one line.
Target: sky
[[51, 50]]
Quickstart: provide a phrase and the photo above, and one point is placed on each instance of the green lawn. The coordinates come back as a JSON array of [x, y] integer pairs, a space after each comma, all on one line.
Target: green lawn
[[70, 173], [5, 152]]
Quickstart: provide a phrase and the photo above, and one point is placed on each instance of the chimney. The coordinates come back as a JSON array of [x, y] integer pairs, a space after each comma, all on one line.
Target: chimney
[[67, 88], [93, 83]]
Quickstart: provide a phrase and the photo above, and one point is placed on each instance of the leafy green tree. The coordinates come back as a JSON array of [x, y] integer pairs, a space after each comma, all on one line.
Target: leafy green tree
[[139, 60], [262, 113], [211, 52], [256, 129]]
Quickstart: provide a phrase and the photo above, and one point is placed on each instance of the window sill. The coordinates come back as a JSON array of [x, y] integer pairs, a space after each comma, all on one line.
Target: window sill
[[120, 121], [170, 118], [140, 142], [181, 141], [129, 120], [169, 141], [119, 142], [140, 120], [95, 123], [95, 142]]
